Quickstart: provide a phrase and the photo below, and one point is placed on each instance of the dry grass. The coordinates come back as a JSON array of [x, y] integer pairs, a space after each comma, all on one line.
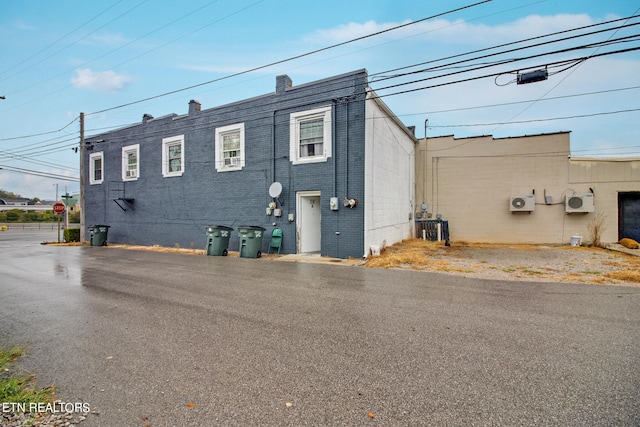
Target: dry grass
[[418, 254], [625, 275], [410, 253]]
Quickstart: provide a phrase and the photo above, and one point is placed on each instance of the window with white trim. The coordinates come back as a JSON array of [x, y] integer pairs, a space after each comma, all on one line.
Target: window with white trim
[[310, 136], [229, 148], [96, 168], [130, 162], [173, 156]]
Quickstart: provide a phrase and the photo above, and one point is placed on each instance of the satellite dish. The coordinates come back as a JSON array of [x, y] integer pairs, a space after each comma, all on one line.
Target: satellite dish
[[275, 190]]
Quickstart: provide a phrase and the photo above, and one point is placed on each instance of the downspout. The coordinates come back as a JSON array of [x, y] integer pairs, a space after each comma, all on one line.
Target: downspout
[[333, 145], [335, 176], [346, 159], [426, 160], [273, 146]]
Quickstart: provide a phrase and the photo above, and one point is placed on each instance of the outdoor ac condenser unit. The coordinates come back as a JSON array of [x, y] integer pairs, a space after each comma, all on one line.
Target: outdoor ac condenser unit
[[579, 203], [524, 203]]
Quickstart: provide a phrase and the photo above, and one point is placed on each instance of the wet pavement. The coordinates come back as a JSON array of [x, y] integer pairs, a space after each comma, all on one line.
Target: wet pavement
[[162, 339]]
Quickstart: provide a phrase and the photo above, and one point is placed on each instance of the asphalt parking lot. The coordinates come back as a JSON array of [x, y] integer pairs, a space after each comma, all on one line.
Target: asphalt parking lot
[[151, 338]]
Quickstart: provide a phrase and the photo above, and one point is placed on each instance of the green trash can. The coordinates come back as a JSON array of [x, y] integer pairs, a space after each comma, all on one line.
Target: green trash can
[[98, 235], [250, 240], [218, 240]]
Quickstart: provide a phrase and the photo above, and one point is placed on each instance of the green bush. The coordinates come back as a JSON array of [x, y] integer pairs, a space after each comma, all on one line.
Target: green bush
[[71, 234]]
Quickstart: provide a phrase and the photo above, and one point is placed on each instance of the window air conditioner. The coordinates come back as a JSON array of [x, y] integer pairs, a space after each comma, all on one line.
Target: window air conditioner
[[524, 203], [579, 203]]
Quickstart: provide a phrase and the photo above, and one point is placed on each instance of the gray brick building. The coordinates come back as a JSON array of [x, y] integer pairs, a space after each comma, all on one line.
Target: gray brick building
[[342, 162]]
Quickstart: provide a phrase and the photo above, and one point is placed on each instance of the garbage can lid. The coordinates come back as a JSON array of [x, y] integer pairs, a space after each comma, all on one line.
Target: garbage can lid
[[251, 227]]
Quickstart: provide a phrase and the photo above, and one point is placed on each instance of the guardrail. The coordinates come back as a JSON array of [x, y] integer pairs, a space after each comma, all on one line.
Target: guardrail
[[26, 207], [31, 226]]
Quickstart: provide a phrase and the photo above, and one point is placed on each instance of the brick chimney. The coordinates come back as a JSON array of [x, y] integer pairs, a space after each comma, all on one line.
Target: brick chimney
[[194, 106]]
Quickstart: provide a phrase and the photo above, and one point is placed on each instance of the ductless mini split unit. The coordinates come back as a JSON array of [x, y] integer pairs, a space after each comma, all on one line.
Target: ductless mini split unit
[[579, 203], [522, 203]]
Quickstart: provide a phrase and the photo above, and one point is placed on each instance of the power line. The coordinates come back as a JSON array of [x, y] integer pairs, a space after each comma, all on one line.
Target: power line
[[38, 173], [309, 53], [381, 89], [40, 134], [82, 38], [493, 74], [513, 60], [58, 40], [504, 104], [502, 45], [578, 116], [282, 61]]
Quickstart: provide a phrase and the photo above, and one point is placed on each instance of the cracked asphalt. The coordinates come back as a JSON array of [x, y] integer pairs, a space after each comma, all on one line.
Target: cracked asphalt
[[167, 339]]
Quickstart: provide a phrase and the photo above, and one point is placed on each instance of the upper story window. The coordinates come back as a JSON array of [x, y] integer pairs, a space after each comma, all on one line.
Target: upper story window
[[173, 156], [230, 147], [96, 168], [130, 162], [310, 136]]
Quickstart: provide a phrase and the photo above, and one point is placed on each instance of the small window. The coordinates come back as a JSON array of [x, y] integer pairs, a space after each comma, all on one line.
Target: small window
[[173, 156], [96, 168], [130, 162], [310, 136], [230, 147]]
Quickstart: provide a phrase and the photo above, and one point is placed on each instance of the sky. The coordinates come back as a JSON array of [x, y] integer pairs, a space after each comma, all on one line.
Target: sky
[[447, 67]]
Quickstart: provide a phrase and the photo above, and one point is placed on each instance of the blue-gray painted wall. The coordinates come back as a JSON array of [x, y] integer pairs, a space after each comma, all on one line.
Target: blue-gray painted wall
[[175, 211]]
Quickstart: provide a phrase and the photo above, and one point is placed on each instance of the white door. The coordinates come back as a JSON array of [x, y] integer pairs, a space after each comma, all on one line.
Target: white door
[[308, 221]]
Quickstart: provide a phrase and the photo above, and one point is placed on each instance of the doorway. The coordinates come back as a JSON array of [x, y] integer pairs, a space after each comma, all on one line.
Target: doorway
[[629, 215], [308, 221]]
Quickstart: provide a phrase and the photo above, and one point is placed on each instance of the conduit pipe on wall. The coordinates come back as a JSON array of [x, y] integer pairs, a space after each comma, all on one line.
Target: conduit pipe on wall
[[333, 145]]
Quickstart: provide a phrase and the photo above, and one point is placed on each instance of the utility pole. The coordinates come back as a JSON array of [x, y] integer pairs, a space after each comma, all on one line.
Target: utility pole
[[57, 215], [66, 198], [82, 179]]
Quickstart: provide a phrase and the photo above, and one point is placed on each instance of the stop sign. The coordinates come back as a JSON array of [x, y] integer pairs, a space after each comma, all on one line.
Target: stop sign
[[58, 208]]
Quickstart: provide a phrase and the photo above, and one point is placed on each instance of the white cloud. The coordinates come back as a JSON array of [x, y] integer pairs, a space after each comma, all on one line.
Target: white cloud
[[455, 32], [348, 31], [99, 81], [21, 25]]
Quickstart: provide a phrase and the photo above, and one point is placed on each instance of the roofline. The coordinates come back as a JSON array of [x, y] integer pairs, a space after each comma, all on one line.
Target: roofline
[[504, 137], [373, 96], [604, 159]]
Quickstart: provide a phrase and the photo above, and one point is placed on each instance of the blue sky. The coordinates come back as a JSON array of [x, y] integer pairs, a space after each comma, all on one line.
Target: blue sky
[[66, 57]]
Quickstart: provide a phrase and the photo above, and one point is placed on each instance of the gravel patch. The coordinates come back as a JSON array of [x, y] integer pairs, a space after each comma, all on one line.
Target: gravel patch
[[19, 419], [530, 263]]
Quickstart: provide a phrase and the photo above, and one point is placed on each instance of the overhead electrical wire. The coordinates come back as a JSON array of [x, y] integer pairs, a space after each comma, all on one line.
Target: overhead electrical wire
[[381, 96], [512, 60], [38, 173], [505, 45], [370, 35], [577, 116], [282, 61], [57, 41], [82, 38], [505, 104], [576, 66], [454, 64], [41, 133], [297, 57]]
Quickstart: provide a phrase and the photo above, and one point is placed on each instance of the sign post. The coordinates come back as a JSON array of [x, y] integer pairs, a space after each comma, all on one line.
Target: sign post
[[59, 208]]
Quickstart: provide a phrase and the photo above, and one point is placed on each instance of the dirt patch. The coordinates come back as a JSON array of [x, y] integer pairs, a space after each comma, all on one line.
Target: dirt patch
[[513, 262]]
